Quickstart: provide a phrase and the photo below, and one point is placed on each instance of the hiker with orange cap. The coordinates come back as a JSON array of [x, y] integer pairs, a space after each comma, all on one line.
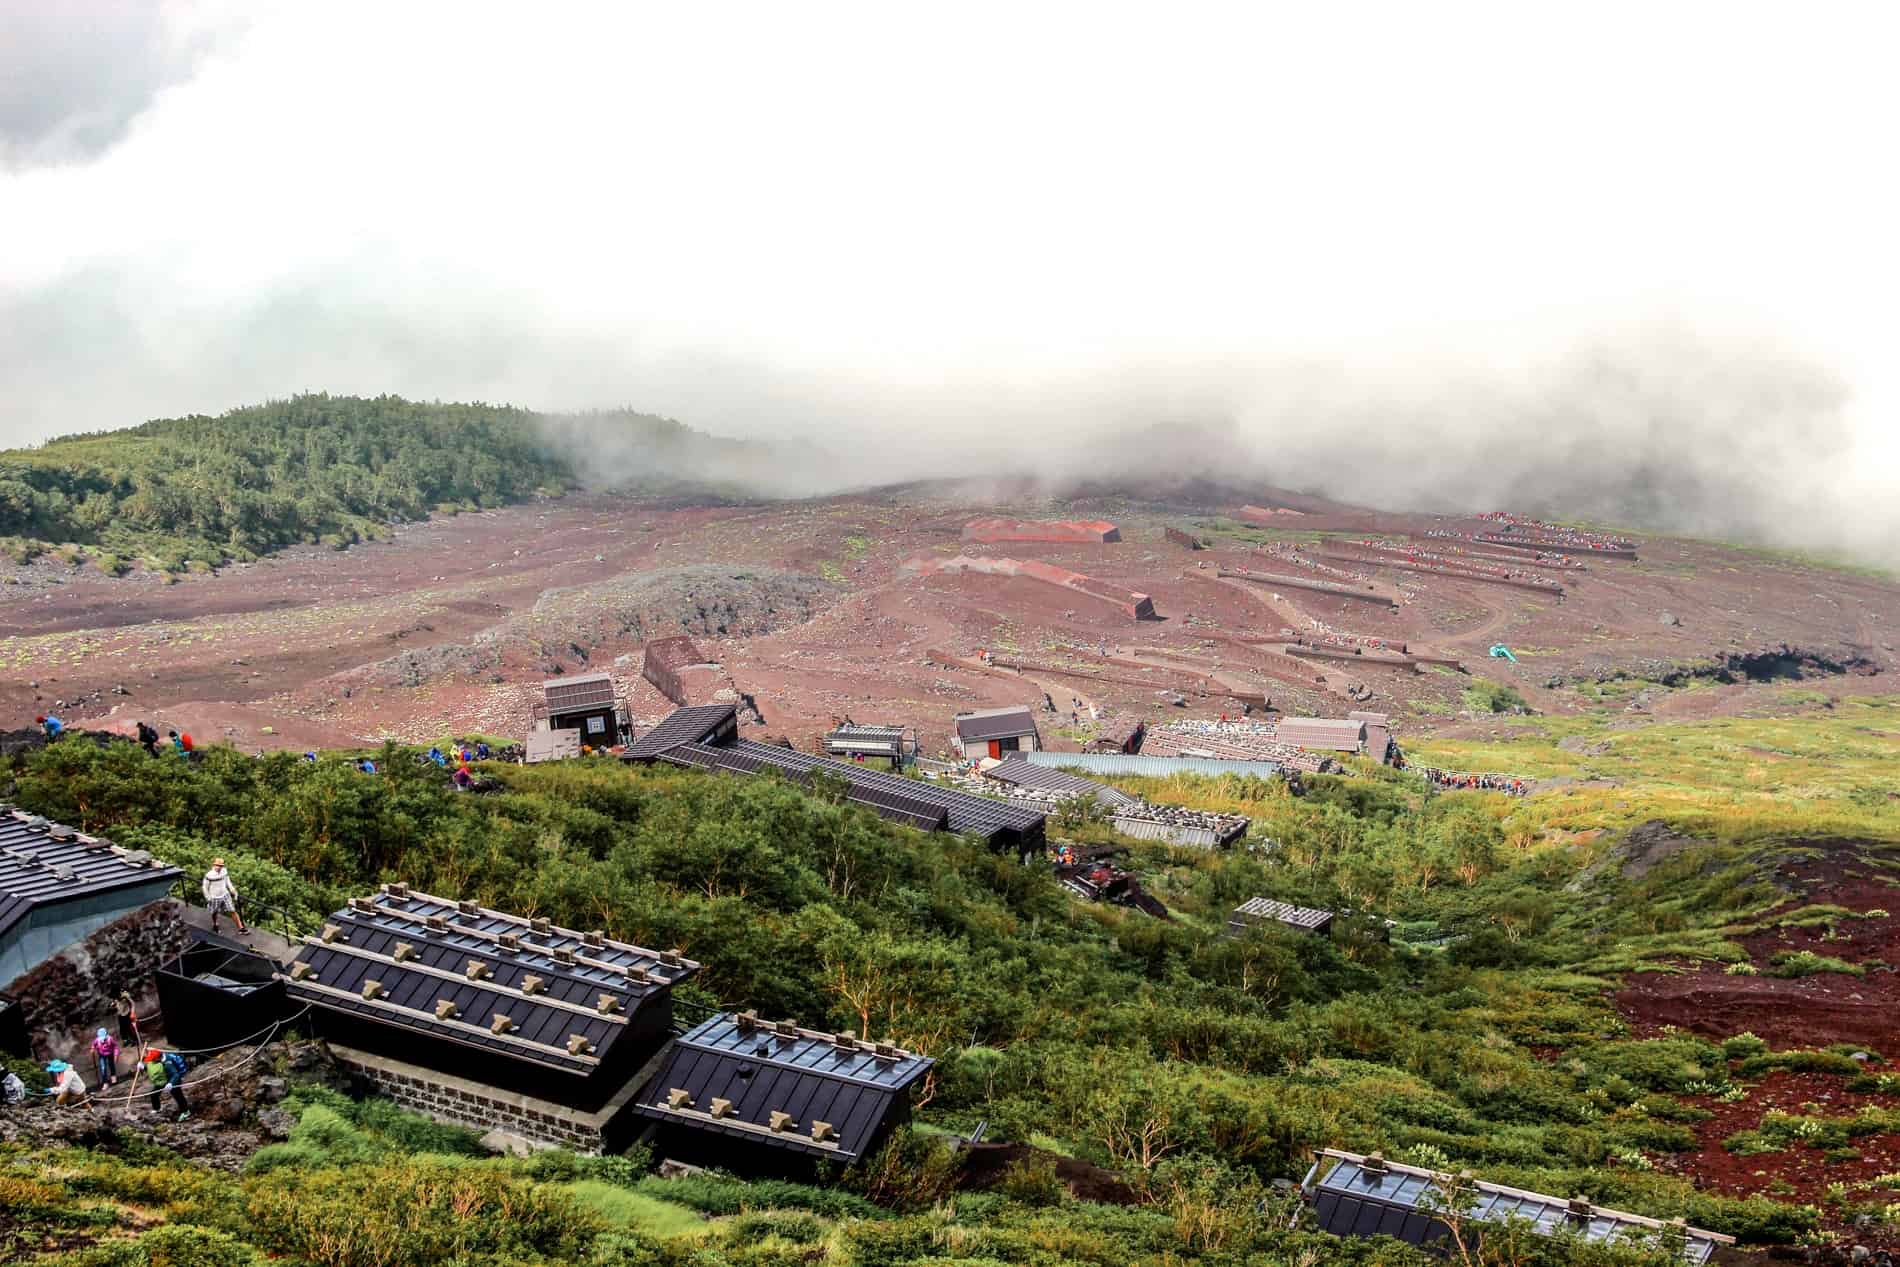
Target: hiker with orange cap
[[167, 1072]]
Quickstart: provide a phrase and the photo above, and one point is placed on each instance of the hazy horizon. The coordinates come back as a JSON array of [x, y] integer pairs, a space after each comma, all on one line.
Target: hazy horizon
[[1637, 264]]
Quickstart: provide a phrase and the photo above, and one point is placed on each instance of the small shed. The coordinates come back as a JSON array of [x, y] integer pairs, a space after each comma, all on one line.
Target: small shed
[[213, 996], [1354, 1195], [855, 740], [59, 885], [990, 732], [1378, 735], [589, 704], [508, 1002], [1325, 734], [1261, 910], [759, 1097]]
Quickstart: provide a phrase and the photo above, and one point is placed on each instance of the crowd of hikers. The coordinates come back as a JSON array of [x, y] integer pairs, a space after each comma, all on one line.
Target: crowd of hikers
[[164, 1071], [1453, 780]]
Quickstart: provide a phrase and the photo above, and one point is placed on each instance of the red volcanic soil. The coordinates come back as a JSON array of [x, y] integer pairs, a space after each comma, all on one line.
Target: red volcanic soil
[[1799, 1173], [450, 625], [1805, 1012], [1811, 1011]]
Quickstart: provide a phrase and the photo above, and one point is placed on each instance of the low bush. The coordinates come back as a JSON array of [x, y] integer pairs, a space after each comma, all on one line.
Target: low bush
[[1805, 963]]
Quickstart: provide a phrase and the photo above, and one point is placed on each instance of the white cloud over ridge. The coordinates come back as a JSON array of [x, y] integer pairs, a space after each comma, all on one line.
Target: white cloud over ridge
[[1427, 252]]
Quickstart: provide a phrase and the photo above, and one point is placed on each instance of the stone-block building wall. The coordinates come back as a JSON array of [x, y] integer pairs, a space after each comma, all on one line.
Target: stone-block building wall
[[70, 993], [460, 1102]]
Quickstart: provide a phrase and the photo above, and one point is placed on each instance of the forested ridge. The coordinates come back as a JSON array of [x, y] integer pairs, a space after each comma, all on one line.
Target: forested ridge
[[1197, 1066], [311, 468]]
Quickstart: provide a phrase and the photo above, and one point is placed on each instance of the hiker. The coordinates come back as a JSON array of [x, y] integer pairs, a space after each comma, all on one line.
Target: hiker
[[178, 745], [52, 725], [435, 755], [105, 1053], [12, 1090], [221, 895], [463, 779], [68, 1086], [167, 1072], [366, 766], [128, 1020], [481, 750], [148, 739]]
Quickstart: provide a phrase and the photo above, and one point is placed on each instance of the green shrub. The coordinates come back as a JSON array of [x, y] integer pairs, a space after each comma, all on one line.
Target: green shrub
[[1805, 963], [720, 1195], [1743, 1045]]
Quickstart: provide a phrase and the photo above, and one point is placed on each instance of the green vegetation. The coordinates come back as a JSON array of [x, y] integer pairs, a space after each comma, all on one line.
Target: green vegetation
[[1197, 1067], [311, 468], [1485, 696]]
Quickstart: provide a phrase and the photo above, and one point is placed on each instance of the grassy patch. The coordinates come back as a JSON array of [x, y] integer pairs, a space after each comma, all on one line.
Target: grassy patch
[[623, 1208]]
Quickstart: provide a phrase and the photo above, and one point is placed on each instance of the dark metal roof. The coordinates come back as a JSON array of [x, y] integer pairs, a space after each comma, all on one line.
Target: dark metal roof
[[1258, 909], [1366, 1196], [760, 1069], [45, 864], [580, 694], [698, 723], [995, 723], [1020, 773], [924, 805], [550, 982]]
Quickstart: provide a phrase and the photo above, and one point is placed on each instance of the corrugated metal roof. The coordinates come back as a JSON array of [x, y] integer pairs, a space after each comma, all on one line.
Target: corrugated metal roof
[[697, 723], [580, 694], [443, 938], [1022, 773], [1338, 734], [759, 1070], [1262, 909], [46, 864], [995, 723], [1359, 1195], [1113, 763]]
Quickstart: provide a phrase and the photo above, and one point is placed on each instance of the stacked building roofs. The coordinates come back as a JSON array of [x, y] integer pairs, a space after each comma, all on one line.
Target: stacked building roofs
[[707, 738], [59, 885]]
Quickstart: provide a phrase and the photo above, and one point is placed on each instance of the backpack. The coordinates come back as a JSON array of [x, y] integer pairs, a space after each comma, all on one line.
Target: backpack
[[12, 1090], [175, 1066]]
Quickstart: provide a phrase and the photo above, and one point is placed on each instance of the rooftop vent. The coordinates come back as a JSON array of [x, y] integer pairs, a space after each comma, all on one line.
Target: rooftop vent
[[532, 984], [1580, 1209], [671, 958], [59, 831], [722, 1108], [747, 1021], [502, 1024], [301, 969], [540, 926], [579, 1045], [445, 1010], [404, 952], [373, 990], [362, 904], [398, 891], [437, 924], [509, 943], [845, 1040], [782, 1122], [63, 871], [466, 907], [823, 1133], [637, 974], [478, 971], [140, 858], [678, 1099], [596, 938], [36, 823], [332, 933], [885, 1052], [564, 954], [608, 1004], [787, 1030]]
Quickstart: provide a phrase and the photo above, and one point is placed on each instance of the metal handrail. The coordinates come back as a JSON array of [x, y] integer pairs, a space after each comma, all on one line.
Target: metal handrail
[[189, 893]]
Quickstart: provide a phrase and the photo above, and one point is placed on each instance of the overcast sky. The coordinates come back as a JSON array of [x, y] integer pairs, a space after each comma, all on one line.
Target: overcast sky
[[1420, 224]]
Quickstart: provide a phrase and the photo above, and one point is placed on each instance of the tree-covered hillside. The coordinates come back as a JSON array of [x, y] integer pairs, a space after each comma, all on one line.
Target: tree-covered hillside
[[263, 477]]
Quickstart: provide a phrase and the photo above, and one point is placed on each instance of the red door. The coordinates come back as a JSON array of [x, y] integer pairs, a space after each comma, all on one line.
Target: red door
[[996, 749]]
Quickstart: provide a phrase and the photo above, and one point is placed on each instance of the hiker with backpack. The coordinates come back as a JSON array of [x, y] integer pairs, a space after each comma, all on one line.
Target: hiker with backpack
[[105, 1053], [148, 739], [221, 896], [167, 1072]]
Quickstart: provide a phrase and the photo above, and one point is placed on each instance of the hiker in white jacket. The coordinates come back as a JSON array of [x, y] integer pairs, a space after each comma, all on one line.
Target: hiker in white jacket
[[221, 895]]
